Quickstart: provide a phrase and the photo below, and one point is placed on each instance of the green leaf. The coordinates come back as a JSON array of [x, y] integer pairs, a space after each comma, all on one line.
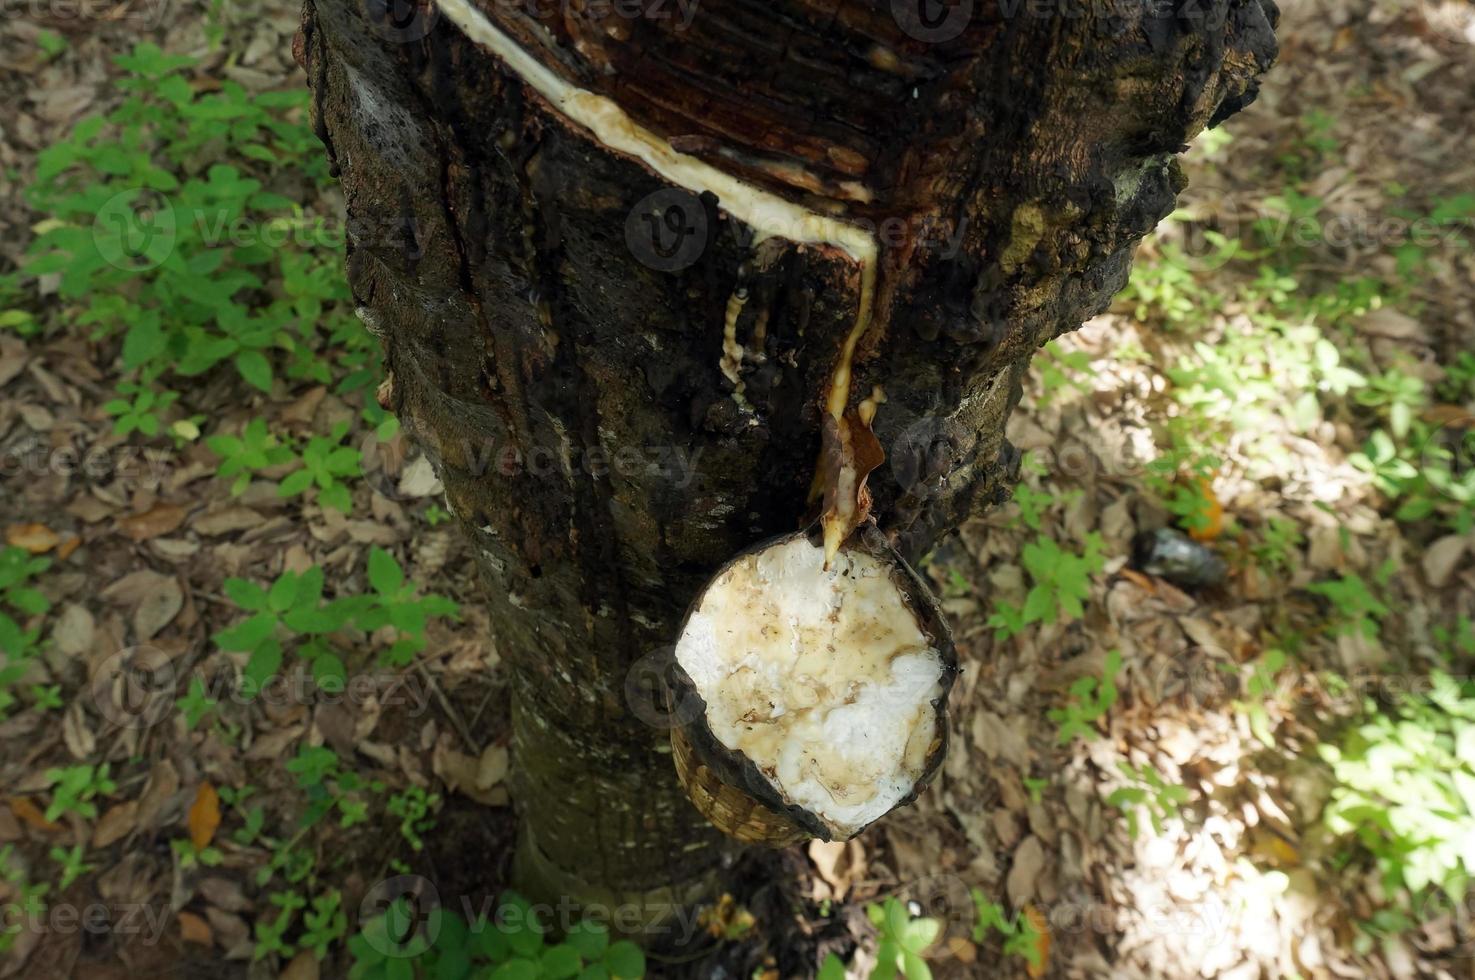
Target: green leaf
[[625, 960], [833, 968], [336, 496], [524, 940], [1039, 605], [264, 663], [248, 595], [516, 969], [589, 938], [144, 342], [28, 601], [255, 368], [914, 966], [561, 962], [920, 933], [283, 592], [886, 954], [295, 483], [896, 919], [329, 672], [454, 964], [226, 447], [309, 588], [491, 942], [384, 572], [312, 621], [247, 635]]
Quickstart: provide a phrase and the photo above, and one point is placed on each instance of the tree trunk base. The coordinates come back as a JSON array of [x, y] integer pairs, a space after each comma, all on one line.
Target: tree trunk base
[[623, 381]]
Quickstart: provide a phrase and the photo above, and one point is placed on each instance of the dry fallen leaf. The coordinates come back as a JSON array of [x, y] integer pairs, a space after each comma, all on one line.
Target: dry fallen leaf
[[35, 538], [158, 608], [839, 863], [118, 822], [475, 777], [10, 828], [305, 407], [1042, 941], [204, 816], [1212, 523], [274, 743], [1024, 876], [76, 733], [162, 784], [963, 949], [90, 510], [158, 519], [224, 893], [73, 630], [193, 929], [13, 358], [1442, 557], [30, 814], [1143, 582], [225, 520], [304, 966], [231, 931], [419, 479], [491, 768]]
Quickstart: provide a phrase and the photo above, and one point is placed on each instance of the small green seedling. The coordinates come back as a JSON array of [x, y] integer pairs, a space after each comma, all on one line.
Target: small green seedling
[[75, 789], [1062, 583], [902, 941], [1090, 699], [1147, 790], [1021, 935]]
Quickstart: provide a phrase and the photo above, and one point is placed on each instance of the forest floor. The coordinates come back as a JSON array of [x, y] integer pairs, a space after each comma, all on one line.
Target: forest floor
[[1147, 780]]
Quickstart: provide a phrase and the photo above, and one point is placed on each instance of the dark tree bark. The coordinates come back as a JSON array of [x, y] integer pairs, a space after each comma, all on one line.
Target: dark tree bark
[[616, 252]]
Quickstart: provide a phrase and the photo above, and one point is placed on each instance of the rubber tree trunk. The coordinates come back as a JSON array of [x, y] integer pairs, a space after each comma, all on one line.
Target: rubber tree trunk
[[617, 252]]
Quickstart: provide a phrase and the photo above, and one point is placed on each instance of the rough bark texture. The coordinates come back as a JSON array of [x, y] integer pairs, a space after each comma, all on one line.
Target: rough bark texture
[[557, 376]]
